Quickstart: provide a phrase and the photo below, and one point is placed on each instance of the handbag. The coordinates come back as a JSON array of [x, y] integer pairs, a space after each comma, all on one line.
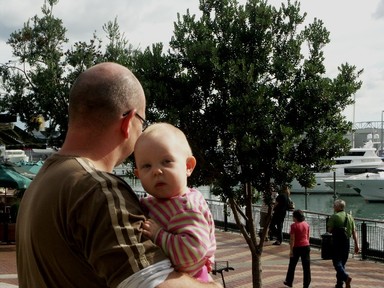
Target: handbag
[[291, 204], [327, 250]]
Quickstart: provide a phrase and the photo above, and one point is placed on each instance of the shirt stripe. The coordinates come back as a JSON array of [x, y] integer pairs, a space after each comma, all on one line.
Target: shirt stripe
[[110, 193]]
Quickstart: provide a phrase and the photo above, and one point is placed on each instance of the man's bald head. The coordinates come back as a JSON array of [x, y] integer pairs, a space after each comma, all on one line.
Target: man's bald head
[[103, 93]]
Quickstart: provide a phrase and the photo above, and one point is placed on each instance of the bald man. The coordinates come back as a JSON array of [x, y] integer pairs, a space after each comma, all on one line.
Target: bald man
[[79, 225]]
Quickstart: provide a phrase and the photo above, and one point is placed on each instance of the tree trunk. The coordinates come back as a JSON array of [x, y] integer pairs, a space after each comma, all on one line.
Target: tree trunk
[[248, 230], [256, 270], [255, 247]]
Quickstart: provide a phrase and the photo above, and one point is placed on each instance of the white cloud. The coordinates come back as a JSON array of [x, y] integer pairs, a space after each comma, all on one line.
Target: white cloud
[[355, 27], [379, 13]]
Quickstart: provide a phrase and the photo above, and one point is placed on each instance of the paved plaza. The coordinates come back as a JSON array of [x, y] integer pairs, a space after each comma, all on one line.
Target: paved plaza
[[232, 247]]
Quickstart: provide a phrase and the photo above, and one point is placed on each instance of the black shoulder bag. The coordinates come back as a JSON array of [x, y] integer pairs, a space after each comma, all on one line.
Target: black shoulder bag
[[341, 233]]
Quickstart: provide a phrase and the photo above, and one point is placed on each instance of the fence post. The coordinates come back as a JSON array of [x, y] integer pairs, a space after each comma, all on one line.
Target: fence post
[[225, 217], [364, 242]]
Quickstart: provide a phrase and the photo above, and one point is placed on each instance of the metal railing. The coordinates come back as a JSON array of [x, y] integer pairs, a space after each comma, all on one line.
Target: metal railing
[[370, 232]]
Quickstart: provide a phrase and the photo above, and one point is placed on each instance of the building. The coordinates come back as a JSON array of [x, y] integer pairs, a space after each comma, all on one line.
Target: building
[[365, 131]]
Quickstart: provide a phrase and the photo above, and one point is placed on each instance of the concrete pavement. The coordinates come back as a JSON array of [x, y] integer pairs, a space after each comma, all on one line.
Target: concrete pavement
[[232, 247], [8, 274]]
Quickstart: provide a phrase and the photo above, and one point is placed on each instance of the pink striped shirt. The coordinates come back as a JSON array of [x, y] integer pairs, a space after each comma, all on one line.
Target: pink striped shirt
[[187, 236]]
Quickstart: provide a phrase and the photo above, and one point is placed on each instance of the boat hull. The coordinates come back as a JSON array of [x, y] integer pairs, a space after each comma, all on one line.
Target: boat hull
[[358, 161], [319, 187], [371, 186], [325, 186], [341, 187]]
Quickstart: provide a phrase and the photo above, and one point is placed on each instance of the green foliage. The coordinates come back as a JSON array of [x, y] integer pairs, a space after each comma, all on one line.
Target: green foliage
[[256, 106], [118, 49], [39, 82], [36, 85], [247, 84]]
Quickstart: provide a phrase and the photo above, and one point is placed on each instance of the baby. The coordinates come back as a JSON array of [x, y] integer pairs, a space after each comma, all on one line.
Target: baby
[[180, 220]]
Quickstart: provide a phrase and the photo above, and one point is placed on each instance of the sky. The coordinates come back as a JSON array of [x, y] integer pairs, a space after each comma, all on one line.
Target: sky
[[356, 32]]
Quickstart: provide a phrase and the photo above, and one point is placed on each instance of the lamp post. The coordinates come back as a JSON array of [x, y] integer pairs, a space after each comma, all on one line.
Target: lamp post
[[306, 198], [353, 121], [334, 186], [381, 136]]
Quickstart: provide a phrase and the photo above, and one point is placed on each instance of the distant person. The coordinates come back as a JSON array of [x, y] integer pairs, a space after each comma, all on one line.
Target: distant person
[[79, 225], [279, 213], [263, 217], [342, 226], [299, 248], [264, 210], [180, 220]]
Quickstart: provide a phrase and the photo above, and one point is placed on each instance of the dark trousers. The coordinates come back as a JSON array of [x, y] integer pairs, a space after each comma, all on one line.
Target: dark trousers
[[340, 256], [303, 253], [276, 227]]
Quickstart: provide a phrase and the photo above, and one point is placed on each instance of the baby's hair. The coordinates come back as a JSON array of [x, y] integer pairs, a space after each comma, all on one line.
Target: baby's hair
[[162, 127]]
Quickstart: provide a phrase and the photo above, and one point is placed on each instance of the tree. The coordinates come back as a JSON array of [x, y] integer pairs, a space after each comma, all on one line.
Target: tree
[[248, 86], [118, 49], [37, 86], [34, 87]]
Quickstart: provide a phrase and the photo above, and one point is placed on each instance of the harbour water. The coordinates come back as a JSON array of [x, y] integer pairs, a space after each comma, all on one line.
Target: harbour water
[[323, 203], [320, 203]]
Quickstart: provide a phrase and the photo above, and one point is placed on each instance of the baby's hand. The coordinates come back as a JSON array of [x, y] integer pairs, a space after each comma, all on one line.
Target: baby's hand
[[150, 228]]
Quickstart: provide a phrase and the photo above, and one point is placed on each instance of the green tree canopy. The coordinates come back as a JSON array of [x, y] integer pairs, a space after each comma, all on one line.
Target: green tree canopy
[[34, 86], [37, 86], [248, 85]]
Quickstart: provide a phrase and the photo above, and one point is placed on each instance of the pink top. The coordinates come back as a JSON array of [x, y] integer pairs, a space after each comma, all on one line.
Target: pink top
[[301, 232], [188, 234]]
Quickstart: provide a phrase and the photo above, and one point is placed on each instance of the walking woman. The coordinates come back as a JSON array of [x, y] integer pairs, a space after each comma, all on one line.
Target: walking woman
[[299, 248]]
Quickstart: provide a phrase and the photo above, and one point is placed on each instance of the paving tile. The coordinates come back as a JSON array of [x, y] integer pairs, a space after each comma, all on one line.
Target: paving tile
[[274, 263]]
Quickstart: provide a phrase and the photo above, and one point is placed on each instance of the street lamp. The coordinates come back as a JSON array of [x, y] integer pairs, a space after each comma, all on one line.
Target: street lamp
[[381, 137], [353, 121]]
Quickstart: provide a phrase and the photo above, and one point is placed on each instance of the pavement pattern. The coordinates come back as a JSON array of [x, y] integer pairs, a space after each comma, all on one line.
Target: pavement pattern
[[274, 261], [232, 247]]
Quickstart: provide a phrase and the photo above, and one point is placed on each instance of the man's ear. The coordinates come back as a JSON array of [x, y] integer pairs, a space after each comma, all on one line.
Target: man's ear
[[125, 123], [191, 164]]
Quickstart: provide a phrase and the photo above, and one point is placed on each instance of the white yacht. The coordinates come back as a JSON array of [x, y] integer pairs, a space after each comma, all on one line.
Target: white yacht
[[369, 185], [14, 156], [357, 161]]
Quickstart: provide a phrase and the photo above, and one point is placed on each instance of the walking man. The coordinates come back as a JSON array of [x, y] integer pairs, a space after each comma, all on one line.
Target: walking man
[[342, 226]]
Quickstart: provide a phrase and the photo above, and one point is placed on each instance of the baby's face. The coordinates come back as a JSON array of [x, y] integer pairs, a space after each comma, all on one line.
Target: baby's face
[[161, 166]]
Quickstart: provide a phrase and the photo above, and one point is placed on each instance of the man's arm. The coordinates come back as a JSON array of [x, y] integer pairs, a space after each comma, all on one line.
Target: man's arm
[[182, 280], [162, 275], [354, 235]]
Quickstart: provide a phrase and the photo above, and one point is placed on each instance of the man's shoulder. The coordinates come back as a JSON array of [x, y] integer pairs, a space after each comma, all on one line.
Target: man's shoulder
[[332, 219]]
